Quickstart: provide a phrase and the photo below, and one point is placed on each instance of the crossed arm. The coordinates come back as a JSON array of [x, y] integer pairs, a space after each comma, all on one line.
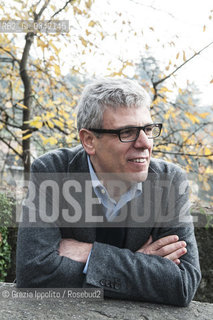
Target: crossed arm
[[169, 247], [152, 273]]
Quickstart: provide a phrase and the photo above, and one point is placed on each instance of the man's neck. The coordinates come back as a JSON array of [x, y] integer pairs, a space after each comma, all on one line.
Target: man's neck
[[113, 182]]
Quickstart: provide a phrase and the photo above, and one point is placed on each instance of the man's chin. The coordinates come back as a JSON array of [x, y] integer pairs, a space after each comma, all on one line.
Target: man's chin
[[135, 177], [141, 177]]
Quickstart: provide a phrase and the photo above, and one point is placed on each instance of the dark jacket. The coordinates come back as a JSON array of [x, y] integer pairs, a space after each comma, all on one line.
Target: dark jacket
[[122, 272]]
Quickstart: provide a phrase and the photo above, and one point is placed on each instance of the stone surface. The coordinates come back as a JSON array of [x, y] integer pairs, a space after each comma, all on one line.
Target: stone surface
[[64, 309]]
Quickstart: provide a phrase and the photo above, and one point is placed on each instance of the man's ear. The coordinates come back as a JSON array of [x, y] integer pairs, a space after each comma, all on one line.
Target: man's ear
[[87, 139]]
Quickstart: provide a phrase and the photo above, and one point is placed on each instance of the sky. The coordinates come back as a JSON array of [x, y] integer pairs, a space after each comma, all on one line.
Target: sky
[[166, 27], [138, 28]]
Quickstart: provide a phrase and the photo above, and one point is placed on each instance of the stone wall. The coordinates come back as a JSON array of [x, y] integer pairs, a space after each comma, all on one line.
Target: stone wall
[[64, 309], [204, 236]]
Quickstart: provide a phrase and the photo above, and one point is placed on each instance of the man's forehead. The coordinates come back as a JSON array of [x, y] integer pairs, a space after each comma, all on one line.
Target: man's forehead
[[122, 112]]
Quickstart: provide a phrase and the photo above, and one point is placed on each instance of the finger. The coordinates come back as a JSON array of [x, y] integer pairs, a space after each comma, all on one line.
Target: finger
[[177, 254], [170, 248], [163, 242], [149, 241], [176, 261]]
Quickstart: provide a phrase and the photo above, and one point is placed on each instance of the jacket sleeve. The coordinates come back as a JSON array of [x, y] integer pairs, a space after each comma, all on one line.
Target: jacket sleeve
[[127, 275], [38, 263], [132, 275]]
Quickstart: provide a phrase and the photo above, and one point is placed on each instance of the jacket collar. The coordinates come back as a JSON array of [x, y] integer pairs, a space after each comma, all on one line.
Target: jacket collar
[[79, 162]]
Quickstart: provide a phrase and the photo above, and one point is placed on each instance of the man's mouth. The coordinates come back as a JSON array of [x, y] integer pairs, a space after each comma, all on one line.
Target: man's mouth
[[138, 160]]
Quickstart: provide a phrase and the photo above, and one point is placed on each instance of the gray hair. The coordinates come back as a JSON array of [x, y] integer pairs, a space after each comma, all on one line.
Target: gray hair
[[109, 92]]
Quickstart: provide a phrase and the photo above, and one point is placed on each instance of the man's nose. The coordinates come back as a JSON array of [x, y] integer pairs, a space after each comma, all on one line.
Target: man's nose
[[143, 141]]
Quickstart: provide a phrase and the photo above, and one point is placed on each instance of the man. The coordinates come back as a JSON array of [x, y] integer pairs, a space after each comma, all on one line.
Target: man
[[140, 244]]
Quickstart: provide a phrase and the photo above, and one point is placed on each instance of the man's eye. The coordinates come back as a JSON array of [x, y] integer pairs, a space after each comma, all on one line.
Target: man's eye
[[127, 132], [149, 129]]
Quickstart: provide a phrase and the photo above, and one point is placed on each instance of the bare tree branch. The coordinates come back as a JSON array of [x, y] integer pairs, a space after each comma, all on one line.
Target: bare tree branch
[[38, 15], [10, 147], [10, 53], [184, 154], [155, 84], [61, 9], [10, 124], [13, 135]]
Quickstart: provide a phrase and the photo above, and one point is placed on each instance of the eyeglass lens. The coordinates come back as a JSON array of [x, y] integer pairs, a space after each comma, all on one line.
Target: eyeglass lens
[[132, 133]]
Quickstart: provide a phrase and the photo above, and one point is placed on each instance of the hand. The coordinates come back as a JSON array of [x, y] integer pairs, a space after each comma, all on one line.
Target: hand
[[75, 250], [168, 247]]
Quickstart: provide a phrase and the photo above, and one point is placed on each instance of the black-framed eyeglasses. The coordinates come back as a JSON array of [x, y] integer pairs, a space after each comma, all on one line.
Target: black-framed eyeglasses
[[130, 134]]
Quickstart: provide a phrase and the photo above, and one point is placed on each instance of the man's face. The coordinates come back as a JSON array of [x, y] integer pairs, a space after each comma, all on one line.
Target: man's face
[[127, 161]]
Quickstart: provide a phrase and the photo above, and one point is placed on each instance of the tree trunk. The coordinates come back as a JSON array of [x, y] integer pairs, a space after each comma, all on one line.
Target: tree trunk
[[27, 102]]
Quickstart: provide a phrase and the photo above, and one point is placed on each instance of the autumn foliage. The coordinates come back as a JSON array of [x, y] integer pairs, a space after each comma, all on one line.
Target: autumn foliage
[[38, 94]]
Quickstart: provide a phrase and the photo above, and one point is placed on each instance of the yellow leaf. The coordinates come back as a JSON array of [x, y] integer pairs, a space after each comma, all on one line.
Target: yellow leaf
[[209, 170], [73, 103], [204, 28], [164, 89], [83, 41], [57, 70], [184, 56], [203, 115], [36, 122], [192, 117], [53, 7], [207, 151], [7, 48], [206, 186], [92, 23], [57, 50], [153, 90], [58, 123], [41, 43], [70, 123], [211, 81], [70, 137], [190, 101], [41, 136], [49, 115], [50, 124], [167, 115], [27, 136], [76, 10], [22, 105], [87, 32], [102, 35], [177, 56], [51, 58], [52, 140], [88, 4]]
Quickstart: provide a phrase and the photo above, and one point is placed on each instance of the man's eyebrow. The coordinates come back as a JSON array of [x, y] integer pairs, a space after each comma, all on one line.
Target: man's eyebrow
[[131, 126]]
